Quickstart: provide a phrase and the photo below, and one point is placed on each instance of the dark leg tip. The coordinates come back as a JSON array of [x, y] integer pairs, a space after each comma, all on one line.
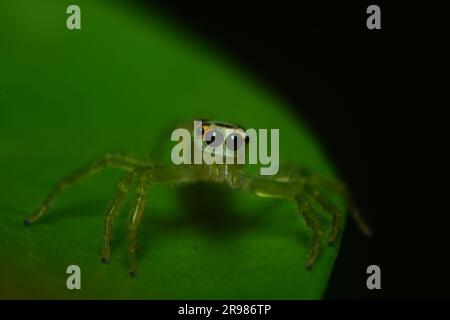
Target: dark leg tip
[[309, 266], [133, 273], [331, 243], [105, 260], [26, 222]]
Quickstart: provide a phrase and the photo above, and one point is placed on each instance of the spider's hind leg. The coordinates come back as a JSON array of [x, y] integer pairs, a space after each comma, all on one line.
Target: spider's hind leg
[[113, 212], [112, 160]]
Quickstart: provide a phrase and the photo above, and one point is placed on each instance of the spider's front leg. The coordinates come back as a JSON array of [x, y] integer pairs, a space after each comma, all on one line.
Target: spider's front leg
[[279, 187], [143, 178], [114, 210], [327, 206], [310, 217], [341, 189]]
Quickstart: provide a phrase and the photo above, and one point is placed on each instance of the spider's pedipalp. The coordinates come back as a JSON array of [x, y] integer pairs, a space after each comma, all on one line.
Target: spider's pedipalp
[[143, 180], [113, 212]]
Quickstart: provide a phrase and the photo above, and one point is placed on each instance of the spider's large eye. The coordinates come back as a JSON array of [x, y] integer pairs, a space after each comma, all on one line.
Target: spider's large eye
[[234, 141], [213, 138]]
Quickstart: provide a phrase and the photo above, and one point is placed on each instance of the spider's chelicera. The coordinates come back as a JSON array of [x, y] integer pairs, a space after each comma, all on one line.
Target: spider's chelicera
[[295, 184]]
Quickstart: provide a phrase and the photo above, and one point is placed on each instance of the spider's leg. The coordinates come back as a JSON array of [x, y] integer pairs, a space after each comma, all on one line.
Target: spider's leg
[[356, 214], [112, 160], [341, 189], [114, 210], [272, 188], [145, 178], [313, 223], [328, 207], [136, 215]]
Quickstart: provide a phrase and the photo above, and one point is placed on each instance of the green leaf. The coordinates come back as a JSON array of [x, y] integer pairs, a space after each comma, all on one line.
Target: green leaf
[[69, 96]]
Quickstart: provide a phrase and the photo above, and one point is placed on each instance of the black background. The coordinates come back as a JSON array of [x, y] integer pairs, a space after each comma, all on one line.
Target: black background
[[372, 98]]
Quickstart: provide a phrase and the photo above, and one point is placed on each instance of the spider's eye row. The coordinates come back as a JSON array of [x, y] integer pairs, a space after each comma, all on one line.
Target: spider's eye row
[[231, 138]]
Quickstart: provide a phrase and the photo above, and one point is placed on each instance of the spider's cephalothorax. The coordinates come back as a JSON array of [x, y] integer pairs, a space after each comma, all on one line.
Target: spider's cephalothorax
[[294, 184]]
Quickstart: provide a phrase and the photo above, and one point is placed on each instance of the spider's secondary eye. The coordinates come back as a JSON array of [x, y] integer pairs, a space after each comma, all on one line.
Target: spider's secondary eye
[[234, 142], [213, 138]]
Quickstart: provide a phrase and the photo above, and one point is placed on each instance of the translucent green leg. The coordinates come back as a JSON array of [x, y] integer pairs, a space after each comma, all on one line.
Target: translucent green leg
[[275, 189], [341, 189], [118, 161], [136, 215], [313, 223], [268, 188], [329, 208], [113, 212]]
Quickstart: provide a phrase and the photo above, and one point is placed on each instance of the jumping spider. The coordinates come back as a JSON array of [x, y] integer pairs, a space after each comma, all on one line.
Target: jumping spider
[[294, 184]]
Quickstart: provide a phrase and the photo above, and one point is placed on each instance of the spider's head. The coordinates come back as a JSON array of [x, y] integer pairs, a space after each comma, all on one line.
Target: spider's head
[[220, 138]]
